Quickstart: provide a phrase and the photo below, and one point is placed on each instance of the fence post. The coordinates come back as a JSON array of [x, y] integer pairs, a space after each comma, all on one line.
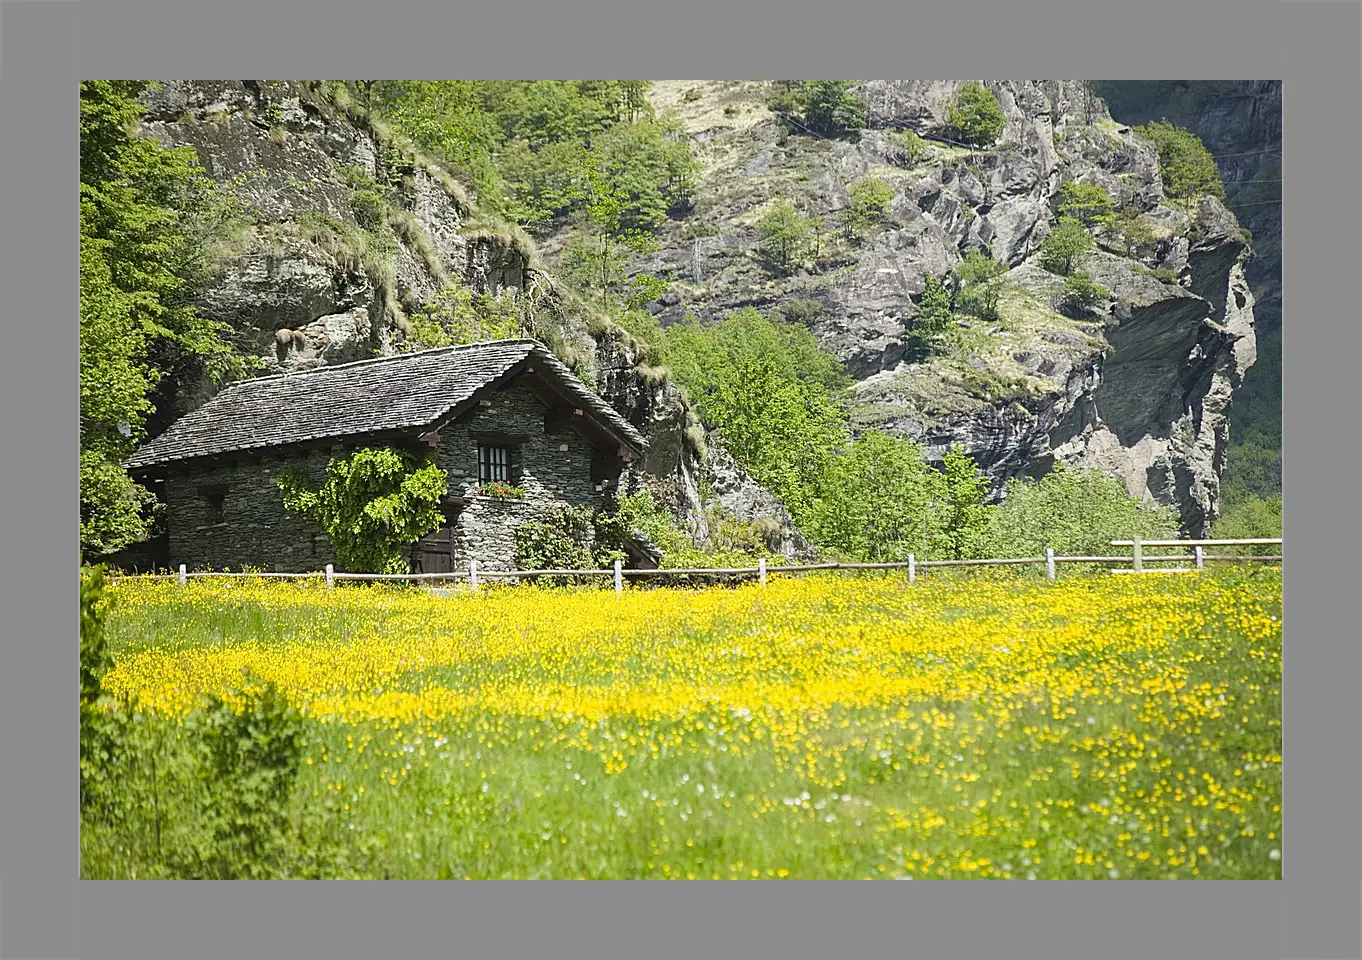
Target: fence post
[[1137, 556], [761, 571], [619, 578], [912, 569], [1200, 557], [1050, 564], [330, 575], [473, 573], [182, 575]]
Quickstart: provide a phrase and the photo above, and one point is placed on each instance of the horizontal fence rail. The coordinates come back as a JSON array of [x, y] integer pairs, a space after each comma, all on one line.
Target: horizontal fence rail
[[473, 574]]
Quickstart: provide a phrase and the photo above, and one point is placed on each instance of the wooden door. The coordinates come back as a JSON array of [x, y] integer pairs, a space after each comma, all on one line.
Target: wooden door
[[434, 553]]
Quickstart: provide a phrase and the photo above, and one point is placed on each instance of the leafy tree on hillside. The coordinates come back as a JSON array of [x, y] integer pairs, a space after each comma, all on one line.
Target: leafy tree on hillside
[[783, 234], [1065, 247], [149, 222], [868, 204], [934, 316], [831, 107], [1074, 512], [772, 394], [975, 116], [979, 285], [1188, 169], [1088, 203], [962, 508], [783, 431], [877, 501], [596, 256]]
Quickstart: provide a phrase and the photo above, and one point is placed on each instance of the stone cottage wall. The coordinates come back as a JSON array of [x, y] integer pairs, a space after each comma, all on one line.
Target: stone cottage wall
[[255, 529], [555, 470]]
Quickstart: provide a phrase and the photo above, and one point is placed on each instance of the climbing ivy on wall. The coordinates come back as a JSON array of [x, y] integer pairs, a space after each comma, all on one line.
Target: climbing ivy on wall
[[373, 504]]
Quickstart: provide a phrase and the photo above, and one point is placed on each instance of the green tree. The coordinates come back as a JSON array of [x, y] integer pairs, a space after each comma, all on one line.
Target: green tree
[[150, 225], [1088, 203], [773, 395], [876, 503], [1081, 292], [784, 234], [597, 255], [1075, 513], [783, 431], [962, 508], [831, 107], [979, 285], [373, 505], [1251, 517], [1065, 247], [1186, 167], [867, 204], [974, 115], [934, 316]]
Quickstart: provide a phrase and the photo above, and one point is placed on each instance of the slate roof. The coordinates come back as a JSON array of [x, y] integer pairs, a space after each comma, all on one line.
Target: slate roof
[[388, 393]]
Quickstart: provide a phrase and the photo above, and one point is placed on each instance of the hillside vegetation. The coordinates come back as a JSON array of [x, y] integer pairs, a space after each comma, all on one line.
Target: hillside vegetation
[[733, 239]]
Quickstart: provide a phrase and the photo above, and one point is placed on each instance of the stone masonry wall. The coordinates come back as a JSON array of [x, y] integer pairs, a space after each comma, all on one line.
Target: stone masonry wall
[[255, 529], [555, 469]]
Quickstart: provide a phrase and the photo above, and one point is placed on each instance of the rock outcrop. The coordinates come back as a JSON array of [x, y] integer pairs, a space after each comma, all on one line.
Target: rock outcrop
[[1139, 386]]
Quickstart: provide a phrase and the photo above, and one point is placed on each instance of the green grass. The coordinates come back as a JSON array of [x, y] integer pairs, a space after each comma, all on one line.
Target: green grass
[[1104, 726]]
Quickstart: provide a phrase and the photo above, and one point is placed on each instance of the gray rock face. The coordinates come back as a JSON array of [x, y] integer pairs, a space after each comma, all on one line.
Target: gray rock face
[[1138, 386], [692, 483]]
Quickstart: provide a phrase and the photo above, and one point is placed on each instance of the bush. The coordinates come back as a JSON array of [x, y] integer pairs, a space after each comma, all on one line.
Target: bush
[[1251, 518], [784, 235], [1074, 512], [912, 148], [975, 116], [250, 753], [1137, 232], [979, 286], [561, 540], [868, 205], [1081, 291], [1065, 247], [1187, 168], [1088, 203]]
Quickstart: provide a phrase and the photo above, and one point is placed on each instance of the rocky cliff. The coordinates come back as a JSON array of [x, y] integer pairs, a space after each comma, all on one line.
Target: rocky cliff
[[344, 234], [1240, 121], [1139, 387]]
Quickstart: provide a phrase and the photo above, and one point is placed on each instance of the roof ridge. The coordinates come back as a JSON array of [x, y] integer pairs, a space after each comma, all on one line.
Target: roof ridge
[[452, 348]]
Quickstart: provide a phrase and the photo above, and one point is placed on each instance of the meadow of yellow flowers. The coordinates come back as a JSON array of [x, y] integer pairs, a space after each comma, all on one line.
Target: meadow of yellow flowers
[[823, 727]]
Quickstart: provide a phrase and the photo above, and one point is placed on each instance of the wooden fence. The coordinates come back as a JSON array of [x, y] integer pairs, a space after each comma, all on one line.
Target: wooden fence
[[1198, 557]]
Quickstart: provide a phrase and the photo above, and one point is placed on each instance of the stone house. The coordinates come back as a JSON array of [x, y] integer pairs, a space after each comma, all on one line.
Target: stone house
[[507, 411]]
